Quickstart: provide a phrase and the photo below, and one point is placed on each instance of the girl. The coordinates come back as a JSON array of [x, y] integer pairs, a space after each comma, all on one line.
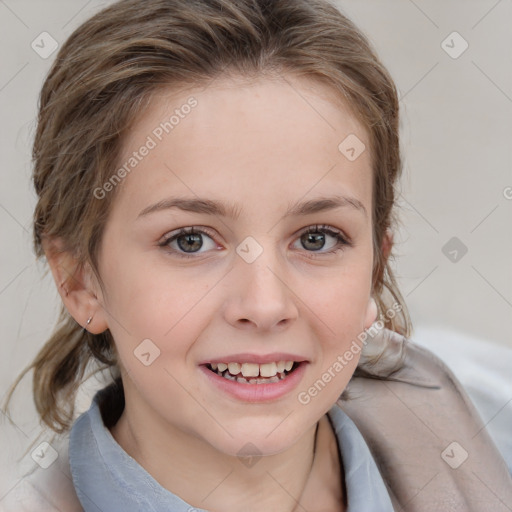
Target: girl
[[215, 186]]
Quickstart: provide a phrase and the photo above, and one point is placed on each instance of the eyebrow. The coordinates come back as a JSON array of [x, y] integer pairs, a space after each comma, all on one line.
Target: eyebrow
[[209, 207]]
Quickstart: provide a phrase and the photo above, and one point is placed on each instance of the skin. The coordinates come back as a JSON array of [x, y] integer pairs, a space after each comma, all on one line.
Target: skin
[[261, 146]]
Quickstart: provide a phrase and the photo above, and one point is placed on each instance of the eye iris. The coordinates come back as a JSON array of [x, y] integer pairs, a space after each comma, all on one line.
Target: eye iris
[[317, 239], [192, 242]]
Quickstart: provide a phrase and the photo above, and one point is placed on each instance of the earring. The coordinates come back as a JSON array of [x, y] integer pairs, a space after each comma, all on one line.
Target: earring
[[89, 320]]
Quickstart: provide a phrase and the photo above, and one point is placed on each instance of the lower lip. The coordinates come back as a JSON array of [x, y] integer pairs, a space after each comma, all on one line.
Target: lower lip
[[257, 392]]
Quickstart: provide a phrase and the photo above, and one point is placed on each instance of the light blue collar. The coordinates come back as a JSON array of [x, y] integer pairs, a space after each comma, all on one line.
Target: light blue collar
[[107, 479]]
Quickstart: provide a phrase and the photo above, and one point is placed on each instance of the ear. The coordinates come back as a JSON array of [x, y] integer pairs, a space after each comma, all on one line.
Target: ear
[[77, 285], [371, 313], [372, 310], [387, 244]]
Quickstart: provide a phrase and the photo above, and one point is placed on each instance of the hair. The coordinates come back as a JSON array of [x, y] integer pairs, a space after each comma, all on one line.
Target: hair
[[106, 73]]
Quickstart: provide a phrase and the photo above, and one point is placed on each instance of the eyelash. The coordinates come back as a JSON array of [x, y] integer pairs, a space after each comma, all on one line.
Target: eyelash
[[341, 240], [184, 231]]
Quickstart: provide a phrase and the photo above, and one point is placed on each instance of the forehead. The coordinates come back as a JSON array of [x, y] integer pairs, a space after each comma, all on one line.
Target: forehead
[[248, 138]]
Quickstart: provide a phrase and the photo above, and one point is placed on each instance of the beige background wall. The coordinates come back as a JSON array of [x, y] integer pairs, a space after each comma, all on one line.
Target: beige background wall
[[457, 134]]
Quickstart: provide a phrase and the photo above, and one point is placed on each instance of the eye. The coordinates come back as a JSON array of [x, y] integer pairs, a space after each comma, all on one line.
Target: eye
[[188, 241], [322, 240]]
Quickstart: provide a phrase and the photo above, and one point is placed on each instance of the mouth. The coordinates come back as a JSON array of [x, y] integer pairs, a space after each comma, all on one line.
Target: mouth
[[255, 379], [254, 373]]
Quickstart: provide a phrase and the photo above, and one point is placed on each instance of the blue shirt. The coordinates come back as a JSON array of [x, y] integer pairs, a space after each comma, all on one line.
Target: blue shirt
[[107, 479]]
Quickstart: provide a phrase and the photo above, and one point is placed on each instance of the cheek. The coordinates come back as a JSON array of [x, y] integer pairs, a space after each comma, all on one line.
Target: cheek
[[342, 298], [156, 303], [143, 294]]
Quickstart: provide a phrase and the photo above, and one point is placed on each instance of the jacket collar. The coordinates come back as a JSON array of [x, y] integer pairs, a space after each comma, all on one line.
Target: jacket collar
[[107, 478]]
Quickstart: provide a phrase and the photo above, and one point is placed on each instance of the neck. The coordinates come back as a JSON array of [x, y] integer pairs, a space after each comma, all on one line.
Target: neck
[[306, 475], [208, 479]]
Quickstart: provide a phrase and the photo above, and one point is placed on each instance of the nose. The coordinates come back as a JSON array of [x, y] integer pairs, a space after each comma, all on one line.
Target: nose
[[258, 297]]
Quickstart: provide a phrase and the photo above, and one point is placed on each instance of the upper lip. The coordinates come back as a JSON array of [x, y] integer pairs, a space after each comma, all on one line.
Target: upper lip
[[255, 358]]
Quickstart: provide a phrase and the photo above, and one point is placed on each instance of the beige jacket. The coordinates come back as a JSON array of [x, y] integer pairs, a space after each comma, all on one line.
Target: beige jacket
[[425, 434], [429, 442]]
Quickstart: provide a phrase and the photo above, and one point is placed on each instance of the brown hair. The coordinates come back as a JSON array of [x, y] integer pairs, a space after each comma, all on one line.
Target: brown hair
[[105, 74]]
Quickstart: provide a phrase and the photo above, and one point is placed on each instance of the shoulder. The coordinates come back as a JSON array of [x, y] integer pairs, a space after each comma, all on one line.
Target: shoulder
[[48, 487], [423, 430]]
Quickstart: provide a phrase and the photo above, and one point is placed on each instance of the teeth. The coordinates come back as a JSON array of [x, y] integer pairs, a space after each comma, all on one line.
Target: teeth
[[268, 369], [250, 369], [247, 373], [234, 368]]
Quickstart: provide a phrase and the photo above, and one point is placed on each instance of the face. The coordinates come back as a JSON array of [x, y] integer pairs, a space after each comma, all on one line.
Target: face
[[242, 235]]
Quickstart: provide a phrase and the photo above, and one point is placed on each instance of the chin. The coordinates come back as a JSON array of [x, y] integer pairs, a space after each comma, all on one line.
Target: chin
[[250, 439]]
